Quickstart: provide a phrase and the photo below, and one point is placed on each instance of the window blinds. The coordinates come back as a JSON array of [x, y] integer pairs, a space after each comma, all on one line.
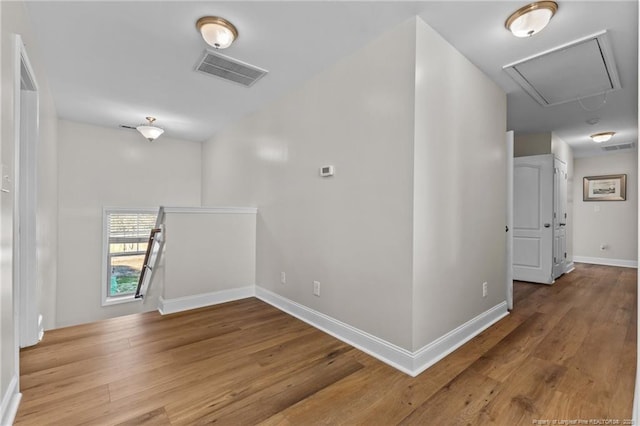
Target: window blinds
[[130, 225]]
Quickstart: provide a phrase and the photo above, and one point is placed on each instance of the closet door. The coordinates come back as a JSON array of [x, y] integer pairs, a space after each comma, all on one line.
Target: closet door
[[533, 218]]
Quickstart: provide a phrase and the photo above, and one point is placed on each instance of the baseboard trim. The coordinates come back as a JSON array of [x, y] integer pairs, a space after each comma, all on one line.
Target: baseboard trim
[[606, 262], [386, 352], [411, 363], [443, 346], [10, 402], [179, 304], [570, 267]]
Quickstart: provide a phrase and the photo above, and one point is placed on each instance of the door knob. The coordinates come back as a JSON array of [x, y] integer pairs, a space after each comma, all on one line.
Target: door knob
[[562, 224], [547, 225]]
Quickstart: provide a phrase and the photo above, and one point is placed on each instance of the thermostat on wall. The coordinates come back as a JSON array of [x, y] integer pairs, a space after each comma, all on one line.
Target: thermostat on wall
[[326, 171]]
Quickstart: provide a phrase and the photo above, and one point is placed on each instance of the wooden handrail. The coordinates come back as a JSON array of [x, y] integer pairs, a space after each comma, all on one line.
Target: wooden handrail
[[145, 264]]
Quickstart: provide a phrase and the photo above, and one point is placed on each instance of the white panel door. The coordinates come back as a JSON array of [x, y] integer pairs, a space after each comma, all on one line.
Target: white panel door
[[559, 218], [533, 219]]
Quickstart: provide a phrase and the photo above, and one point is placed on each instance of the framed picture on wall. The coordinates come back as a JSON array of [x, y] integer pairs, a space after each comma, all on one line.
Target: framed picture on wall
[[604, 188]]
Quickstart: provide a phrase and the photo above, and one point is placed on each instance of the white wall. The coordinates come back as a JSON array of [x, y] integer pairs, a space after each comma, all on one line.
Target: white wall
[[15, 21], [612, 223], [208, 252], [101, 167], [459, 190], [353, 231]]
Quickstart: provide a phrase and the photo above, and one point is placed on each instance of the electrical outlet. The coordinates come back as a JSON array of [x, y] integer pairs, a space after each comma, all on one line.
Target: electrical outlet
[[283, 278], [484, 289], [316, 288]]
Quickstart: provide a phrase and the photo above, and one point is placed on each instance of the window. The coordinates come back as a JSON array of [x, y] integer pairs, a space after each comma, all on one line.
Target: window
[[126, 237]]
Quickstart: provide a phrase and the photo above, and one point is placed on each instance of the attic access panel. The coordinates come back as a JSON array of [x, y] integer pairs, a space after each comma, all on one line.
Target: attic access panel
[[576, 70]]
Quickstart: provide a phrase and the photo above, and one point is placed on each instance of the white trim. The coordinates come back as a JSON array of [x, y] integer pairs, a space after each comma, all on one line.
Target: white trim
[[217, 210], [509, 231], [389, 353], [108, 301], [179, 304], [636, 401], [10, 402], [412, 363], [607, 262], [570, 267], [40, 328], [26, 128], [153, 210], [443, 346]]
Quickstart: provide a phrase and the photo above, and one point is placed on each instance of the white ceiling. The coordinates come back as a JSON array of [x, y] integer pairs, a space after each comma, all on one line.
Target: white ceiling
[[111, 63]]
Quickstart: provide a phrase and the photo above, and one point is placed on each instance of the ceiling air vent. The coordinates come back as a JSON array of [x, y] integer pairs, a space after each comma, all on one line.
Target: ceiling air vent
[[573, 71], [218, 65], [619, 147]]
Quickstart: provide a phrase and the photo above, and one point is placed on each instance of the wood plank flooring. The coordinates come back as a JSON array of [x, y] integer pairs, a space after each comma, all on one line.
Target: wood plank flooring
[[566, 352]]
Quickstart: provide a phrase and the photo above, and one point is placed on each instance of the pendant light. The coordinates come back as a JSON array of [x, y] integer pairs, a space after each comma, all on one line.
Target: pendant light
[[531, 19], [149, 131]]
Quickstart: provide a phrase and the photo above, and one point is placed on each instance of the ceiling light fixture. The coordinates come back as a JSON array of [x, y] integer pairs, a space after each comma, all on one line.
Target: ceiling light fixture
[[217, 32], [602, 136], [531, 19], [149, 131]]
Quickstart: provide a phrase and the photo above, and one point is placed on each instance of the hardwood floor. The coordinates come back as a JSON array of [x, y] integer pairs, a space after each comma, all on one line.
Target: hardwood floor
[[566, 352]]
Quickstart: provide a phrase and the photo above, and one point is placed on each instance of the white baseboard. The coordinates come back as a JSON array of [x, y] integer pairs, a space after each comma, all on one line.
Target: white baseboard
[[387, 352], [10, 403], [178, 304], [412, 363], [570, 267], [443, 346], [607, 262]]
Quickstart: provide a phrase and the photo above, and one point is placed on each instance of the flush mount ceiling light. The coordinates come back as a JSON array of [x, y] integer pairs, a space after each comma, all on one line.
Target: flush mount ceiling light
[[149, 131], [602, 136], [531, 19], [217, 32]]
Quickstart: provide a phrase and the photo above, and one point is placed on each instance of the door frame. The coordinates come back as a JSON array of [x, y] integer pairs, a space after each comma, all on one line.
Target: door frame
[[28, 321], [559, 217], [509, 228]]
